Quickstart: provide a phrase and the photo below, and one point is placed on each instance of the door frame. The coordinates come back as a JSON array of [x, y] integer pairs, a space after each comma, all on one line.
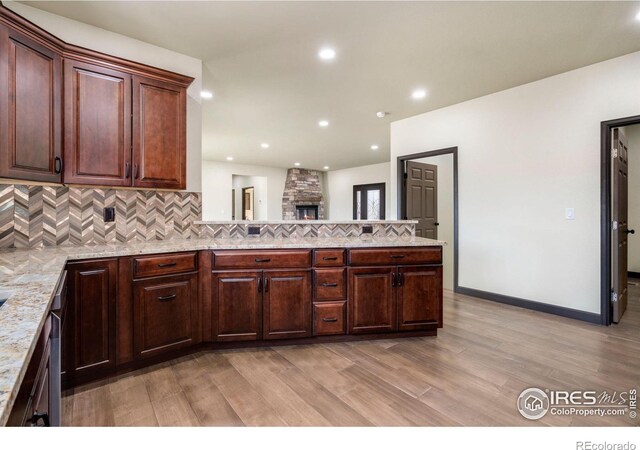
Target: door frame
[[402, 197], [606, 128]]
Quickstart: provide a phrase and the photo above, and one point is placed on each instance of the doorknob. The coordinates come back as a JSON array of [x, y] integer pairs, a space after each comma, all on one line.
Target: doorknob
[[436, 224], [631, 231]]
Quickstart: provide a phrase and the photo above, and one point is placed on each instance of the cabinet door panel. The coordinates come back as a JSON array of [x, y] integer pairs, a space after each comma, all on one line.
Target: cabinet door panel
[[93, 302], [30, 111], [166, 314], [419, 297], [159, 134], [97, 125], [287, 304], [237, 306], [372, 303]]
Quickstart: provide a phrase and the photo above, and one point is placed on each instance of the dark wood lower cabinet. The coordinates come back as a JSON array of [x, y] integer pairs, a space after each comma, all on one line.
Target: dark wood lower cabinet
[[286, 304], [237, 305], [91, 341], [133, 311], [372, 300], [165, 314], [419, 297]]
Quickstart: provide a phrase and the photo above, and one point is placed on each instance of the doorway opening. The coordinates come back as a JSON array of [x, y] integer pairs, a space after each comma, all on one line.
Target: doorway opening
[[428, 193], [247, 203], [620, 212]]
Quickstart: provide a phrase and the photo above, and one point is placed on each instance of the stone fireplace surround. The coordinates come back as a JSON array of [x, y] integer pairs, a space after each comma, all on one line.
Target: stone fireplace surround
[[302, 187]]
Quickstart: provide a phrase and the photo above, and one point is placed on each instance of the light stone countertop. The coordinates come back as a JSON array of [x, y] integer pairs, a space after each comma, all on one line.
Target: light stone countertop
[[305, 222], [30, 278]]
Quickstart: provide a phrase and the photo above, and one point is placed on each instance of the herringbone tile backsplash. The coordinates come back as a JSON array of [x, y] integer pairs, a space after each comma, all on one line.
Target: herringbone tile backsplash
[[33, 216]]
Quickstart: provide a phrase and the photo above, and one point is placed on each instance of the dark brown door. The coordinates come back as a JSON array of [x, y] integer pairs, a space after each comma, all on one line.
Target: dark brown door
[[92, 289], [30, 109], [419, 297], [287, 304], [165, 314], [422, 198], [372, 300], [620, 231], [97, 125], [159, 134], [237, 305], [369, 201]]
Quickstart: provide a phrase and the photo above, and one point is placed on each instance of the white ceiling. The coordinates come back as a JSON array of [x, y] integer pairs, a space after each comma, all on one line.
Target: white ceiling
[[261, 63]]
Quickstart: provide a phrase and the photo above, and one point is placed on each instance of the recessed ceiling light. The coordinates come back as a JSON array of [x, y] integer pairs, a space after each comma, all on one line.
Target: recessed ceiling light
[[297, 164], [326, 167], [381, 114], [206, 94], [229, 158], [638, 16], [264, 145], [327, 53], [418, 94], [374, 147], [323, 123]]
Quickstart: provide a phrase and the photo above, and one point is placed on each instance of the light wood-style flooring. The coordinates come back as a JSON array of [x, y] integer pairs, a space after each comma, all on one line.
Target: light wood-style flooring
[[471, 374]]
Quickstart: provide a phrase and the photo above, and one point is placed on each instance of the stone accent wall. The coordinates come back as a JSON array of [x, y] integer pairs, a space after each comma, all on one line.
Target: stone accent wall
[[34, 216], [302, 188]]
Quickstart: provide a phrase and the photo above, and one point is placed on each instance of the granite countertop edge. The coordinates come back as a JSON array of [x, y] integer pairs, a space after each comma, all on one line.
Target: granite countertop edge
[[31, 277]]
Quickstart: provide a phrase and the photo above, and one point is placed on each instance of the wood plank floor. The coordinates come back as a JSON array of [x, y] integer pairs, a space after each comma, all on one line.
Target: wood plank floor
[[471, 374]]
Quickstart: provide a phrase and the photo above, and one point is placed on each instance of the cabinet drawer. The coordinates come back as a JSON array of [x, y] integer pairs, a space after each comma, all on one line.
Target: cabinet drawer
[[395, 256], [329, 258], [150, 266], [232, 259], [329, 318], [330, 284]]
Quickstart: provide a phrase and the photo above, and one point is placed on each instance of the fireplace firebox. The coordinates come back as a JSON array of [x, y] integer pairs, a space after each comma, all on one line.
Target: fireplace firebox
[[306, 212]]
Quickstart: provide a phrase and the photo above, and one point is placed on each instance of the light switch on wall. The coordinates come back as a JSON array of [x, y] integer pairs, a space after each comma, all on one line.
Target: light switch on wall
[[569, 214]]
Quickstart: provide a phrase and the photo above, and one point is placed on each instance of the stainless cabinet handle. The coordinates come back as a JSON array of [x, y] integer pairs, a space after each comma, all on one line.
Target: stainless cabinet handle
[[329, 284], [166, 298], [261, 260], [171, 264], [329, 319]]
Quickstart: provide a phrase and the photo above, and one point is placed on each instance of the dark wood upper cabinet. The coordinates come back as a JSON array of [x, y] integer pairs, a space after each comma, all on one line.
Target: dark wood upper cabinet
[[286, 304], [97, 125], [124, 122], [92, 301], [30, 108], [159, 134]]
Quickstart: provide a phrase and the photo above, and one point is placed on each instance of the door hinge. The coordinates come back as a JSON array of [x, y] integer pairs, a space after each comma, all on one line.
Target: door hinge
[[614, 297], [614, 225], [614, 152]]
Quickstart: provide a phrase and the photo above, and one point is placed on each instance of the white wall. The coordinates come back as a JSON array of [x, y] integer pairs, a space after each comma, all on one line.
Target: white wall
[[339, 188], [445, 211], [217, 182], [260, 195], [524, 155], [78, 33], [633, 137]]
